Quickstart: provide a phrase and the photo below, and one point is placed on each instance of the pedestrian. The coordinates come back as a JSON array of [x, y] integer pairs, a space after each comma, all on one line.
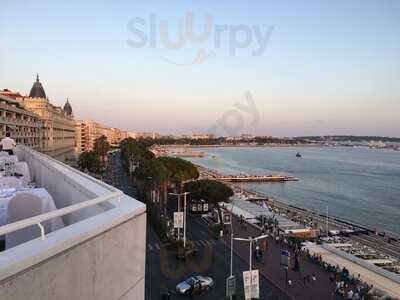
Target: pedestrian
[[265, 244], [308, 278], [258, 249], [332, 278], [314, 278], [304, 280], [350, 295], [337, 288], [8, 144], [356, 296]]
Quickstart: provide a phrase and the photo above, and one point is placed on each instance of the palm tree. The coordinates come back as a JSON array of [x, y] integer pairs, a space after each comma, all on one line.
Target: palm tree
[[101, 147], [133, 151], [153, 177], [89, 161], [180, 170]]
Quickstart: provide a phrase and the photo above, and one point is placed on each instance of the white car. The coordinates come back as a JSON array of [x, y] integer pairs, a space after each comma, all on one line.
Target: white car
[[195, 284]]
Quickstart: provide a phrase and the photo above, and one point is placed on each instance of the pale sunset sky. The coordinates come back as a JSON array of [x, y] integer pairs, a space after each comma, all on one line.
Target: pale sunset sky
[[326, 67]]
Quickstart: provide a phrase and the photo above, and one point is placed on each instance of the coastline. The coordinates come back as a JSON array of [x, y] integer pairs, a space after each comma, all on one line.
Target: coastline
[[252, 146], [334, 222]]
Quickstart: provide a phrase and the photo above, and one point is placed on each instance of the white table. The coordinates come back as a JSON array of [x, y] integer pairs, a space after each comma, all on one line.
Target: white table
[[12, 158], [47, 206], [11, 182]]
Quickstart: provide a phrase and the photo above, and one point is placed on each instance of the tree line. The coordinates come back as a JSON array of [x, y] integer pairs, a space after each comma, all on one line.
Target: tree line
[[260, 140], [94, 161], [155, 176]]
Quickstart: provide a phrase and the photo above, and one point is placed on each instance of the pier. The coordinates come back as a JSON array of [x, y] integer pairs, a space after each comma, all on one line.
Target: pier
[[252, 178]]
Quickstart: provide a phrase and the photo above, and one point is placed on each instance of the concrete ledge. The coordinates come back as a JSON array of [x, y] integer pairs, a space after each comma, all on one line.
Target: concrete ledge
[[104, 244], [362, 263]]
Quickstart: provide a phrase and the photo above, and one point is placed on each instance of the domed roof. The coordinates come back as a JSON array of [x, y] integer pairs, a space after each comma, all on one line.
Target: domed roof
[[67, 108], [37, 90]]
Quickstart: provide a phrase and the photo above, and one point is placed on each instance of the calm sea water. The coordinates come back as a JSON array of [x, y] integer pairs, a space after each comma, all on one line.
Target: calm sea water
[[357, 184]]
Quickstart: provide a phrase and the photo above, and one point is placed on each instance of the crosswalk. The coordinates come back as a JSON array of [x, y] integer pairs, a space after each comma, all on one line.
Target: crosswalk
[[199, 243], [205, 242]]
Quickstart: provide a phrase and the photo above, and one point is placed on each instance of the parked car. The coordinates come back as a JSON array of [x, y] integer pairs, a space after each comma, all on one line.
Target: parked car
[[194, 285]]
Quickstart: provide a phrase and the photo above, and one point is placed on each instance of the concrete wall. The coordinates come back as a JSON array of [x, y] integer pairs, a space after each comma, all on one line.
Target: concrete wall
[[99, 254], [66, 186], [106, 267]]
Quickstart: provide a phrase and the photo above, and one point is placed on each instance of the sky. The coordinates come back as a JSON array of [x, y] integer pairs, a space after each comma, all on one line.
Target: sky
[[282, 68]]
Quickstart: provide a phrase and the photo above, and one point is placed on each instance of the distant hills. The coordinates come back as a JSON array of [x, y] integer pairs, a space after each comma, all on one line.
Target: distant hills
[[347, 138]]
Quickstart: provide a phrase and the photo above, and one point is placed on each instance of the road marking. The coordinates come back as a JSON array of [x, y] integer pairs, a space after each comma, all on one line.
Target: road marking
[[150, 247], [157, 246]]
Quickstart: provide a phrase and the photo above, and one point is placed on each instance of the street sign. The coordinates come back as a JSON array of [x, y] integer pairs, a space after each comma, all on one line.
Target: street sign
[[255, 284], [285, 257], [230, 286], [227, 218], [247, 284], [178, 219], [251, 284]]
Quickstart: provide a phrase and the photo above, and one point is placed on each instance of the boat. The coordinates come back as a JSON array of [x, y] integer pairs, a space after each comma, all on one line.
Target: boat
[[298, 155]]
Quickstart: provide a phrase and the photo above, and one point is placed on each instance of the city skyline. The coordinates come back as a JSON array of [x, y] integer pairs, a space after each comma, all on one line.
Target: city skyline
[[335, 78]]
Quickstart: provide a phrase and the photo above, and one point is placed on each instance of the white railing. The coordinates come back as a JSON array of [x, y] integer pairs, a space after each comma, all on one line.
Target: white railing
[[39, 219]]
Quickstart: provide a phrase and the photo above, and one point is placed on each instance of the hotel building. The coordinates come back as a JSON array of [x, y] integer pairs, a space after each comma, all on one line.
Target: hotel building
[[87, 131], [57, 124], [23, 124]]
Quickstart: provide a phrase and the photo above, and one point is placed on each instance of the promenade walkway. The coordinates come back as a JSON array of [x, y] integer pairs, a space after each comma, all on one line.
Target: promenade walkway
[[270, 267], [387, 285]]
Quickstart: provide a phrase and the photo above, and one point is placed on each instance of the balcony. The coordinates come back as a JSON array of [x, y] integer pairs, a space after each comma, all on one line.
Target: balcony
[[98, 254], [18, 122]]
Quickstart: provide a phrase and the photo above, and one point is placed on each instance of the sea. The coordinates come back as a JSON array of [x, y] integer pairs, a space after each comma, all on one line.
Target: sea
[[360, 185]]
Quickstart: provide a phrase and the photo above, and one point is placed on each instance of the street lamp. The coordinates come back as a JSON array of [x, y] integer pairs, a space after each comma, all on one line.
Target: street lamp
[[184, 215], [149, 178], [250, 240], [233, 203], [131, 165]]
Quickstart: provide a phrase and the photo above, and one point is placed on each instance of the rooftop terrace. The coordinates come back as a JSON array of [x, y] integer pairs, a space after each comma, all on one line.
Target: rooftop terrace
[[98, 253]]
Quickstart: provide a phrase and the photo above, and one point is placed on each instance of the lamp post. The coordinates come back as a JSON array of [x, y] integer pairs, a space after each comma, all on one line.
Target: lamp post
[[184, 215], [250, 240], [327, 221], [149, 178], [231, 297]]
